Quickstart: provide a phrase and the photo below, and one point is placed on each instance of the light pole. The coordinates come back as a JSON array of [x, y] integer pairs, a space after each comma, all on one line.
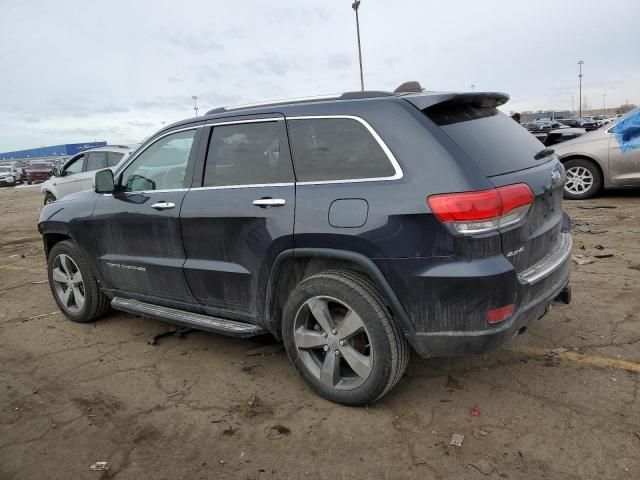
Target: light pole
[[604, 103], [355, 6], [195, 104], [580, 63], [473, 87]]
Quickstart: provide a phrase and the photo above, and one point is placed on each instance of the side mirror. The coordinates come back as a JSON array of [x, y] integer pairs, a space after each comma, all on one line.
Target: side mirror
[[56, 172], [103, 181]]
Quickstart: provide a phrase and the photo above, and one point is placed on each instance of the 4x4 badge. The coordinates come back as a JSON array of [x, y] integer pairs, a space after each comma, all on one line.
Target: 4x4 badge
[[515, 252]]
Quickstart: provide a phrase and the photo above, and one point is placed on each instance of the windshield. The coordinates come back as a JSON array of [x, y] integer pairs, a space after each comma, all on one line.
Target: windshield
[[5, 169], [40, 166]]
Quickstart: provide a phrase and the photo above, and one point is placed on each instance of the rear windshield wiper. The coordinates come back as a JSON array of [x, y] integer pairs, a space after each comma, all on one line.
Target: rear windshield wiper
[[543, 153]]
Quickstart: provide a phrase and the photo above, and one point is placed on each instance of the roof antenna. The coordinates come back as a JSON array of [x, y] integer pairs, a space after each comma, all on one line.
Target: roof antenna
[[409, 87]]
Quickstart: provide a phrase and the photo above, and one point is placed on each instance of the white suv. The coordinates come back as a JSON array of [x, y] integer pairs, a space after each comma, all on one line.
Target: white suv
[[10, 174], [77, 174]]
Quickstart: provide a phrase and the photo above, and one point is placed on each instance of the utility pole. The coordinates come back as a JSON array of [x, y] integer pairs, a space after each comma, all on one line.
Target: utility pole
[[195, 104], [355, 6], [580, 63], [572, 104]]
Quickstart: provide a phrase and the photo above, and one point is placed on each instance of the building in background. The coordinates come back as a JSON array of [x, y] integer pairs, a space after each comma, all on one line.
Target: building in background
[[66, 150], [542, 114]]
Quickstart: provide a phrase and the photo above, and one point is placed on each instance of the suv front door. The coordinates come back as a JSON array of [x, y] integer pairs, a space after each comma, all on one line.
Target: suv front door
[[70, 176], [239, 215], [137, 229]]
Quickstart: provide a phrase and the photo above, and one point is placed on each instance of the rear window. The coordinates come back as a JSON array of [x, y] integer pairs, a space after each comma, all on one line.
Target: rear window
[[327, 149], [246, 154], [494, 141]]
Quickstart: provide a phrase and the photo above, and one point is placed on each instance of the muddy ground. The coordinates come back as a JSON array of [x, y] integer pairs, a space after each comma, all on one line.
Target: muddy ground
[[200, 407]]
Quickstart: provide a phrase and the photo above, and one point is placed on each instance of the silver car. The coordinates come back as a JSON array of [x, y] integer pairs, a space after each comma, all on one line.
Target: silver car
[[605, 158]]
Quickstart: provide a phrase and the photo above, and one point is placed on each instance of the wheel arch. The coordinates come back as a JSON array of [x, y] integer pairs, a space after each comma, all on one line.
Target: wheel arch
[[605, 177], [292, 266], [50, 239]]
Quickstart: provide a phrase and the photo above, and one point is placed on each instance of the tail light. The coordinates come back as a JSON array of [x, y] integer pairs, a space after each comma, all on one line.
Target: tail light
[[482, 211], [497, 315]]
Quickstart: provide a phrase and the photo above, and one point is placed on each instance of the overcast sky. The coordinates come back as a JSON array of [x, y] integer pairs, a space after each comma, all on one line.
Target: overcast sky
[[75, 71]]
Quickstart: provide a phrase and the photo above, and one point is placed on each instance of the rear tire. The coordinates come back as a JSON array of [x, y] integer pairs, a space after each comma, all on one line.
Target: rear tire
[[341, 338], [73, 285], [584, 179]]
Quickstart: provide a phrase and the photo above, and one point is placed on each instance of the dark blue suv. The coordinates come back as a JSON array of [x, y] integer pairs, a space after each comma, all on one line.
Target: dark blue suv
[[353, 227]]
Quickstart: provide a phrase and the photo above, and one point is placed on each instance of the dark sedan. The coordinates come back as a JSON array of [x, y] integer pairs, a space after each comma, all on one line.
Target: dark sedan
[[579, 123]]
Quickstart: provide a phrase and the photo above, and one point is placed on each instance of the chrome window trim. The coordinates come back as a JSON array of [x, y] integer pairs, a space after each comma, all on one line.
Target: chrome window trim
[[251, 185], [396, 166], [248, 120]]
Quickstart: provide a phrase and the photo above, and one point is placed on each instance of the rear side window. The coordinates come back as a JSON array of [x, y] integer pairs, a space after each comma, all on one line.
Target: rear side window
[[96, 161], [326, 149], [246, 154], [113, 158]]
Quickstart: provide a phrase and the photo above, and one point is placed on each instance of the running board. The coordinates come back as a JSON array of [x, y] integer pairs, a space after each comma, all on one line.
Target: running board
[[187, 319]]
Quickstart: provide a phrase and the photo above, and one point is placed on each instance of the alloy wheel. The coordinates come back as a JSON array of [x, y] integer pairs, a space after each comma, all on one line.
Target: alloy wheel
[[579, 180], [333, 343], [68, 283]]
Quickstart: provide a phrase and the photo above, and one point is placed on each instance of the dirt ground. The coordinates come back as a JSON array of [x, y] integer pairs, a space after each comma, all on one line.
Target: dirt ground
[[201, 407]]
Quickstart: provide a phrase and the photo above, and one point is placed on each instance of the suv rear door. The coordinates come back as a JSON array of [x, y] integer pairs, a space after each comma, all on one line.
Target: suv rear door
[[239, 214], [137, 229]]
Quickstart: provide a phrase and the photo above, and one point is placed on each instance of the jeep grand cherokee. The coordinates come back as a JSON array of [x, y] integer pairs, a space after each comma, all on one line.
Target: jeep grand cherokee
[[354, 228]]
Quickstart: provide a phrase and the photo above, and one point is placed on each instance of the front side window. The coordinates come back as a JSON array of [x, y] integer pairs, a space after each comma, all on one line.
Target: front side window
[[161, 166], [74, 167], [246, 154], [327, 149], [96, 161]]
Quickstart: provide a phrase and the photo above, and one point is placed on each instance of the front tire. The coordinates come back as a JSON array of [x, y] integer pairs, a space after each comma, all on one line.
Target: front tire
[[48, 198], [584, 179], [73, 285], [341, 338]]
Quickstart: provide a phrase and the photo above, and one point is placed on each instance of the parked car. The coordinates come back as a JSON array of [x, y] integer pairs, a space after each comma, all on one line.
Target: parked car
[[39, 172], [603, 159], [10, 174], [579, 123], [553, 137], [354, 228], [543, 125], [77, 174]]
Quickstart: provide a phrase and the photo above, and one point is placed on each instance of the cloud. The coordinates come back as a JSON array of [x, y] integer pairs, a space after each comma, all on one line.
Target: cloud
[[195, 44]]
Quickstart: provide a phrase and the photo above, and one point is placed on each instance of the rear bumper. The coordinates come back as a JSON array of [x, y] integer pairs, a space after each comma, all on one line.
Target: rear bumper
[[448, 302], [457, 343]]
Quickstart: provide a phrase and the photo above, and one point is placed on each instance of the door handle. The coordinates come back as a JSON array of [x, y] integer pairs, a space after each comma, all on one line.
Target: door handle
[[163, 205], [269, 202]]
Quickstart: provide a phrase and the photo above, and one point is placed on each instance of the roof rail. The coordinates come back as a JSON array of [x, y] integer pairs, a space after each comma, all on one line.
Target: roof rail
[[342, 96]]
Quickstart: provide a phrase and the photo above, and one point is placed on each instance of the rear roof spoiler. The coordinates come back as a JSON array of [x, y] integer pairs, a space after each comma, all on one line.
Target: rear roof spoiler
[[478, 99]]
